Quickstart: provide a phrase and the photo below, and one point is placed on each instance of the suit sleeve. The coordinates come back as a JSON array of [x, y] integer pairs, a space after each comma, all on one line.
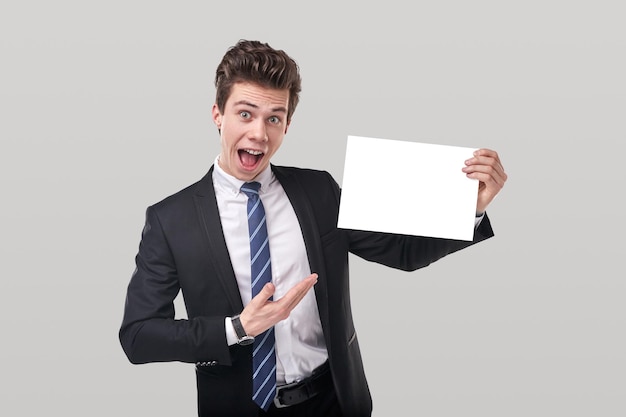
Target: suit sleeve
[[405, 252], [409, 253], [149, 332]]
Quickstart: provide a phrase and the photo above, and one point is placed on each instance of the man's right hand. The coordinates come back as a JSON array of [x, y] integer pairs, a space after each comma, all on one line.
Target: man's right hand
[[262, 313]]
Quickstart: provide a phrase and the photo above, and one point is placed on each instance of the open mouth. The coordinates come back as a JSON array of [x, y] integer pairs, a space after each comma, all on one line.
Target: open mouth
[[250, 158]]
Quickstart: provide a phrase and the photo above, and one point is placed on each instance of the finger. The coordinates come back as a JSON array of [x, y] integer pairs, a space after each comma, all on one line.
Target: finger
[[261, 298], [486, 157], [487, 174], [486, 166], [297, 293], [483, 160], [293, 297], [487, 153], [488, 183]]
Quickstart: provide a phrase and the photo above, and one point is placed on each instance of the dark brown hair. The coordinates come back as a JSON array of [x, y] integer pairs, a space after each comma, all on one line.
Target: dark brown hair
[[259, 63]]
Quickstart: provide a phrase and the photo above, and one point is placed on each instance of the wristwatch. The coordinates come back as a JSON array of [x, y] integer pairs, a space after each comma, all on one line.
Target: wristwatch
[[244, 338]]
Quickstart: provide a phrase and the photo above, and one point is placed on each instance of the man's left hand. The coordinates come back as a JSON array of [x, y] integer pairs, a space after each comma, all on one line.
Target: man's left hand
[[486, 167]]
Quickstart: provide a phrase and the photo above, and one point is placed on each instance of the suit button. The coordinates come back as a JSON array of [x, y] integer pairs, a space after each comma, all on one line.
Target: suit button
[[207, 363]]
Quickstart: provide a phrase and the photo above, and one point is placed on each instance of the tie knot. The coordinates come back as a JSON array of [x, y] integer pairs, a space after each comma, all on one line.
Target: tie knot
[[251, 188]]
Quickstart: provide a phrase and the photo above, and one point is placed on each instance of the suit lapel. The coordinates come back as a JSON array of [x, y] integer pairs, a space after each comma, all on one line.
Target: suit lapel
[[310, 232], [206, 206]]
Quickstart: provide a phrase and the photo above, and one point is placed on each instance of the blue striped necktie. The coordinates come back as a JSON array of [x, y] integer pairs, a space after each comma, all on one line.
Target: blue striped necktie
[[264, 356]]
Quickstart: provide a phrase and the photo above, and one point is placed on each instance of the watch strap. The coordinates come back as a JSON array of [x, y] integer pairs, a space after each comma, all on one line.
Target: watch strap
[[239, 330]]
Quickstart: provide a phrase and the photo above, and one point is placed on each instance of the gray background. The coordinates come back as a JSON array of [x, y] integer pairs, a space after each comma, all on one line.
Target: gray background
[[105, 109]]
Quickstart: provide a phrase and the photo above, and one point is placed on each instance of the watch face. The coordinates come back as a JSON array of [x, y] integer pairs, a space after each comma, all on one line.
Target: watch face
[[246, 340]]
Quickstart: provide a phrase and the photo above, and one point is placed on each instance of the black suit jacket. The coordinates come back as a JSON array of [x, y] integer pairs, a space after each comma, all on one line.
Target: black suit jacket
[[183, 249]]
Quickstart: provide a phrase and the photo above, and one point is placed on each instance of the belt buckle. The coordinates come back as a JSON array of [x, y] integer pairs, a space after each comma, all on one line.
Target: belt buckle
[[279, 389]]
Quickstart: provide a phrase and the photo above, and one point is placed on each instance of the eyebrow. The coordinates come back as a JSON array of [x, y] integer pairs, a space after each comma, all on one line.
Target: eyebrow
[[247, 103]]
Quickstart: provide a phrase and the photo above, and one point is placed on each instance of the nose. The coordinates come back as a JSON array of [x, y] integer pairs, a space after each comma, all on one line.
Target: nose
[[258, 131]]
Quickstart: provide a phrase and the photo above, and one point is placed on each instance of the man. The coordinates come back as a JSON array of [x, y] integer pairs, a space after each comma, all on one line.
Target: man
[[245, 245]]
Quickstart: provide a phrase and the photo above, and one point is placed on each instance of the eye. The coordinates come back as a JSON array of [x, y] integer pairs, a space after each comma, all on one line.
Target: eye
[[274, 120], [244, 114]]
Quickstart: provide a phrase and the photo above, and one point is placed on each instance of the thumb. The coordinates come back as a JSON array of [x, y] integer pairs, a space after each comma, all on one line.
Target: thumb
[[263, 296], [267, 291]]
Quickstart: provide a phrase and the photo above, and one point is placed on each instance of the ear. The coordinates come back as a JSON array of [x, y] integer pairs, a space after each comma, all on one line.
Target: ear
[[217, 116]]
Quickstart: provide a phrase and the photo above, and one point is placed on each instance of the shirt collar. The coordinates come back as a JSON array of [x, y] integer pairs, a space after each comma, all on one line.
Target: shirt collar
[[228, 182]]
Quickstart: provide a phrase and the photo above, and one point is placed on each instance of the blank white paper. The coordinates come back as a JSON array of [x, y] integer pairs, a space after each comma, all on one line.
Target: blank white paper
[[407, 188]]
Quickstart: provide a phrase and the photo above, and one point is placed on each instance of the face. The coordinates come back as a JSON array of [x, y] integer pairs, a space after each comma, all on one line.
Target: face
[[252, 128]]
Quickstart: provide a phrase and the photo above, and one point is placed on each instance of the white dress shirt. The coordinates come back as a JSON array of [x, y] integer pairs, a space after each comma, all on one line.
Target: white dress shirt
[[300, 346]]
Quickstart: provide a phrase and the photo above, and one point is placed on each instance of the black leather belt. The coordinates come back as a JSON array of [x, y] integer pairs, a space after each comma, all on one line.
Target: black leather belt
[[298, 392]]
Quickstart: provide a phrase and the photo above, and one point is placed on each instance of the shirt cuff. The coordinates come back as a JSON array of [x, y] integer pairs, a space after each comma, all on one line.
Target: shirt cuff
[[478, 219], [231, 336]]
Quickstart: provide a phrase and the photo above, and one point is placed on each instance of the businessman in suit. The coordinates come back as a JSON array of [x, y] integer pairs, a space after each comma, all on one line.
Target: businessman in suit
[[264, 343]]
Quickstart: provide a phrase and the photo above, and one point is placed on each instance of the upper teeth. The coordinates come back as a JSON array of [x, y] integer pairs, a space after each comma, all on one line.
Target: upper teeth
[[252, 152]]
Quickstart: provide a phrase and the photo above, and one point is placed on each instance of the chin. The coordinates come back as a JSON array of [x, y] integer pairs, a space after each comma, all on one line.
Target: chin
[[247, 175]]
